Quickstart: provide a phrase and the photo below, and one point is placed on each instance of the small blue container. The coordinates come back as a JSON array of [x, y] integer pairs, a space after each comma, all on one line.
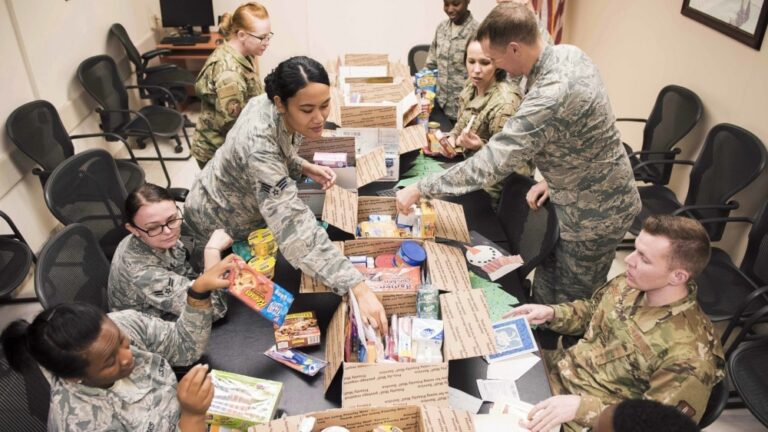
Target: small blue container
[[412, 253]]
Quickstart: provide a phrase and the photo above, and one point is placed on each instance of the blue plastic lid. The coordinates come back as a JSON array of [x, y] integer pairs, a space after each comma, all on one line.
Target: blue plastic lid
[[412, 253]]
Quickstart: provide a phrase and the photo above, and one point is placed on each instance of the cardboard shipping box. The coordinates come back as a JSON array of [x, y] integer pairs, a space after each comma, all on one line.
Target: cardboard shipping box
[[379, 114], [408, 418], [362, 167]]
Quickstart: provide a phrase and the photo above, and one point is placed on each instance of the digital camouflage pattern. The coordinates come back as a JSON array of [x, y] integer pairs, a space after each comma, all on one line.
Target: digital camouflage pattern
[[225, 84], [631, 351], [152, 281], [446, 54], [145, 401], [251, 183], [566, 126]]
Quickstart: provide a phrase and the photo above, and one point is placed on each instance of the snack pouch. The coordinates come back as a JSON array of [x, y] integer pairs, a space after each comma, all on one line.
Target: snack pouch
[[261, 294], [426, 81]]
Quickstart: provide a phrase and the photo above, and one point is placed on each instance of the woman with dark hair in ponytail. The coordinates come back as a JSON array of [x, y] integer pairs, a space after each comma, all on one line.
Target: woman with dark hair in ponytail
[[251, 181], [113, 371]]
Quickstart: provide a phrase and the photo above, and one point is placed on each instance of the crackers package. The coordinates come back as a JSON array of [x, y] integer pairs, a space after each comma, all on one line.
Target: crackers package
[[298, 329], [392, 279], [261, 294], [241, 401]]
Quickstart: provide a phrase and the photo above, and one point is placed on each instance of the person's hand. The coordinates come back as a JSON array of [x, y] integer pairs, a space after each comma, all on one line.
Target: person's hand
[[469, 140], [371, 310], [537, 195], [219, 240], [215, 277], [552, 412], [195, 391], [534, 313], [407, 197], [321, 175]]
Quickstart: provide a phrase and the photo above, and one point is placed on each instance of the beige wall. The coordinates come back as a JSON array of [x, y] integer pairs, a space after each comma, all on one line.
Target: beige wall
[[641, 46]]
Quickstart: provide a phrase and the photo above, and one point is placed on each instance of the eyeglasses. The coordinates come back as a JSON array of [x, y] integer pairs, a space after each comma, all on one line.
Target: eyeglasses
[[157, 230], [262, 39]]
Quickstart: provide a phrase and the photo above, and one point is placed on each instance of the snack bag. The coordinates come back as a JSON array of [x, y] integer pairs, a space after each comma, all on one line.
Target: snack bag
[[261, 294], [426, 82]]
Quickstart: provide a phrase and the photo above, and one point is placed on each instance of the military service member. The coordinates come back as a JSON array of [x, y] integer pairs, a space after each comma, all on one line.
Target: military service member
[[251, 181], [565, 124], [645, 336], [150, 271], [229, 78], [446, 54], [113, 372]]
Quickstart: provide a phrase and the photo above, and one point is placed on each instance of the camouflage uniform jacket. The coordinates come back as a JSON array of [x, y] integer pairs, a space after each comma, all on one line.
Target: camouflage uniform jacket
[[226, 83], [491, 112], [446, 54], [146, 400], [152, 281], [251, 183], [566, 126], [631, 351]]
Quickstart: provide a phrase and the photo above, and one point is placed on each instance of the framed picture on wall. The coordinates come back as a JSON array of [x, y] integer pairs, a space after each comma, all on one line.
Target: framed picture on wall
[[743, 20]]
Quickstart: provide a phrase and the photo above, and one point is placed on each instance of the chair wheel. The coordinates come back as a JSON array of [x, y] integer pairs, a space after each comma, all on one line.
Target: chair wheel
[[141, 144], [178, 149]]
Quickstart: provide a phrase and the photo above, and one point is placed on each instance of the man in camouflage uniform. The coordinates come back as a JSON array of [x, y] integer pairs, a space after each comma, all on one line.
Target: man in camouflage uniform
[[566, 126], [644, 334], [225, 84], [446, 54], [146, 400]]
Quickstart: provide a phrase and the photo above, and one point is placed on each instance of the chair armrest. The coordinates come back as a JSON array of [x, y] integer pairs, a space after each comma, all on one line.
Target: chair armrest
[[628, 119], [160, 67], [154, 53], [110, 135], [732, 205], [164, 90], [674, 151], [664, 162]]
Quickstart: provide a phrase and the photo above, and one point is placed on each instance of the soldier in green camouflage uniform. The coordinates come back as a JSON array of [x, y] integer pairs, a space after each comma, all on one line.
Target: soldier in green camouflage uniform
[[225, 84], [446, 54], [566, 126]]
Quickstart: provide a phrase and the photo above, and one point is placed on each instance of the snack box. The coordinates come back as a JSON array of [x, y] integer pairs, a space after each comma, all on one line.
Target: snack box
[[258, 292], [298, 330], [241, 401]]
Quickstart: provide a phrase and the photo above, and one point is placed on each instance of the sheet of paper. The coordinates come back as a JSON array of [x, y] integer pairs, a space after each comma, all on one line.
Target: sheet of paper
[[497, 390], [460, 400], [497, 422], [513, 368]]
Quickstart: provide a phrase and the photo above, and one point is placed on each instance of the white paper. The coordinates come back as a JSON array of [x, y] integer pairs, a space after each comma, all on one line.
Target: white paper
[[497, 390], [497, 422], [513, 368], [459, 400]]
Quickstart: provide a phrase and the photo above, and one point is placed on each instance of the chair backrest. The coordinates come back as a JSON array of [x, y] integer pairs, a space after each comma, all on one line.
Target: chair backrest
[[15, 259], [87, 188], [730, 159], [530, 233], [36, 129], [25, 399], [118, 31], [100, 79], [675, 113], [72, 268], [755, 262], [417, 56], [718, 399], [746, 367]]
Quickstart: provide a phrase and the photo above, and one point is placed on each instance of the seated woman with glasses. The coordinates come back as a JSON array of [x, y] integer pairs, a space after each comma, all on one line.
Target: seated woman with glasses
[[229, 77], [150, 270]]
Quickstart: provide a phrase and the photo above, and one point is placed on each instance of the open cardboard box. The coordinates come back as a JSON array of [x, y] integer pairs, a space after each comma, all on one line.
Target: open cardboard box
[[409, 418], [363, 167]]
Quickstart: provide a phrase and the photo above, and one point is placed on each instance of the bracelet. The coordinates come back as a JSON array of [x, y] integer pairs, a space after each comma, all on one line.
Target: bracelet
[[197, 295]]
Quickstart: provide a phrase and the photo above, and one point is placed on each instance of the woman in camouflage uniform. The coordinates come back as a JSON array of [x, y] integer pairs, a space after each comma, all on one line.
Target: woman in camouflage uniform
[[229, 77]]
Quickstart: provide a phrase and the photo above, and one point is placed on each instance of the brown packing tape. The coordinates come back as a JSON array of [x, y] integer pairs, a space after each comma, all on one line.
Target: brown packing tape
[[366, 59], [370, 167], [346, 145], [370, 80], [451, 223], [447, 267], [406, 418], [334, 344], [367, 205], [310, 284], [435, 419], [383, 384], [368, 116], [412, 138], [467, 325], [340, 209]]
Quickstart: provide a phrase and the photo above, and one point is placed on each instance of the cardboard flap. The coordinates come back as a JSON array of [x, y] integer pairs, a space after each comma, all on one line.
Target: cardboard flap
[[400, 303], [383, 384], [340, 209], [435, 419], [401, 70], [468, 330], [451, 223], [379, 92], [447, 267], [287, 424], [371, 246], [334, 344], [337, 100], [409, 109], [309, 284], [346, 145], [371, 167], [384, 116], [366, 419], [412, 138], [368, 205], [366, 59]]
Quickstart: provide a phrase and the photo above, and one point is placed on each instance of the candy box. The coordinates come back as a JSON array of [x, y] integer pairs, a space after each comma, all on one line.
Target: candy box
[[258, 292], [298, 329]]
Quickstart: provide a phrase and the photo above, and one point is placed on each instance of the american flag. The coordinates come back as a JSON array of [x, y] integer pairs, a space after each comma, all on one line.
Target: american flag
[[551, 13]]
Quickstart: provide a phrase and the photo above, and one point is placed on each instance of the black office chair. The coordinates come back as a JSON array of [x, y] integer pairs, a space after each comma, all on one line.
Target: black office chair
[[531, 233], [25, 399], [417, 56], [100, 78], [717, 402], [749, 375], [36, 129], [72, 268], [730, 160], [86, 189], [16, 259], [676, 111]]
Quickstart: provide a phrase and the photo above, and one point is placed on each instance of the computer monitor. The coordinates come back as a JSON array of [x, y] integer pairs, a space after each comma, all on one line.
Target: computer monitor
[[187, 14]]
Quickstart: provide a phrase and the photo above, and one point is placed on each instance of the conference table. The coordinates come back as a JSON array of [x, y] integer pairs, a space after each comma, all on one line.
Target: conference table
[[239, 340]]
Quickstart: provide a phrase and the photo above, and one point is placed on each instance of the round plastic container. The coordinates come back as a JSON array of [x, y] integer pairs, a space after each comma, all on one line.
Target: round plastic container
[[263, 265], [262, 243], [411, 253]]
